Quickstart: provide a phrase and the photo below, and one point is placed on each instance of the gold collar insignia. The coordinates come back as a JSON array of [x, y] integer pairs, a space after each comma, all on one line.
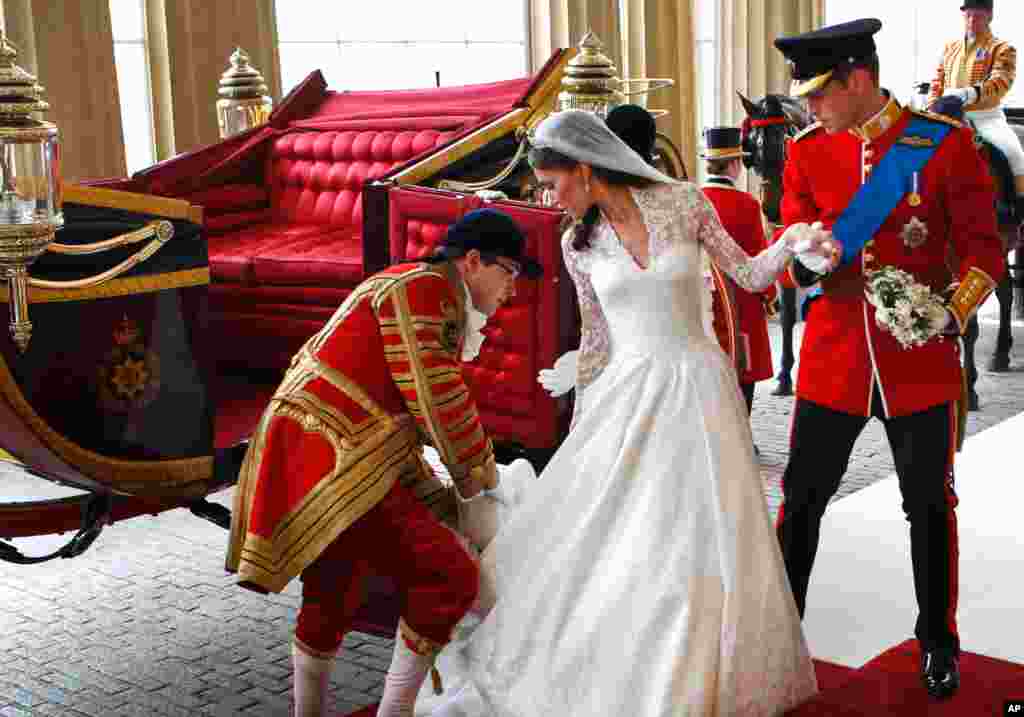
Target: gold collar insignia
[[880, 123]]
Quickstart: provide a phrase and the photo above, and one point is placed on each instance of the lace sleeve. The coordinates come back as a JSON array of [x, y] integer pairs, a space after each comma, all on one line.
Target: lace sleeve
[[595, 339], [752, 273]]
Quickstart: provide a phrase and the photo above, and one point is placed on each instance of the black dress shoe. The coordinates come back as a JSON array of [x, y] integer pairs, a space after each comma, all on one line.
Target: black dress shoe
[[940, 672]]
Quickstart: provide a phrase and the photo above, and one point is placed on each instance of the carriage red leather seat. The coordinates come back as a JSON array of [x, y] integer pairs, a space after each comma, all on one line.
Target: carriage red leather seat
[[285, 268]]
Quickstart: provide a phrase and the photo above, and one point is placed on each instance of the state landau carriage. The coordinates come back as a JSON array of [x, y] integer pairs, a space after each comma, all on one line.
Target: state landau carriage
[[152, 328]]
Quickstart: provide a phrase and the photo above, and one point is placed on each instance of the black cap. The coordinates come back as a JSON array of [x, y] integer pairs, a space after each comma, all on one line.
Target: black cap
[[977, 5], [723, 143], [813, 56], [489, 232], [635, 126]]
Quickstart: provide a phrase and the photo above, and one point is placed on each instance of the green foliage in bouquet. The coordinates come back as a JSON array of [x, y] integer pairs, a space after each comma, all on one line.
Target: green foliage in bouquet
[[907, 310]]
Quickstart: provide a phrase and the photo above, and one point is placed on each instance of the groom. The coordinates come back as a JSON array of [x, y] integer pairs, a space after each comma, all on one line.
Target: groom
[[902, 189]]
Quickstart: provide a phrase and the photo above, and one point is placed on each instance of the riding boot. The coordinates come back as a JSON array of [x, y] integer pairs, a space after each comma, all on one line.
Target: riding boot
[[310, 676], [408, 670]]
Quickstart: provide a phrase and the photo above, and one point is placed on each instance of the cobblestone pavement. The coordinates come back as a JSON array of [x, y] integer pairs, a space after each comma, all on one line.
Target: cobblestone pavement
[[148, 623]]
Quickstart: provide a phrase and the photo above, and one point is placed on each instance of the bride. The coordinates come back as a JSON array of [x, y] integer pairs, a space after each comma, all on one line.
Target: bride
[[640, 574]]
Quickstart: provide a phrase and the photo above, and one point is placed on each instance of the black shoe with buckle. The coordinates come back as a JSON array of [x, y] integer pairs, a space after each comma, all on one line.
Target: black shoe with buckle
[[940, 672]]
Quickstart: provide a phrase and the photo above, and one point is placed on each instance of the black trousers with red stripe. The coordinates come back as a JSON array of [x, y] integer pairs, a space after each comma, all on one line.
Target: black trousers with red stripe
[[922, 447]]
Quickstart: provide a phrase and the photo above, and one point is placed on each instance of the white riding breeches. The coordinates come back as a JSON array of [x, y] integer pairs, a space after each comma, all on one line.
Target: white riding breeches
[[992, 125]]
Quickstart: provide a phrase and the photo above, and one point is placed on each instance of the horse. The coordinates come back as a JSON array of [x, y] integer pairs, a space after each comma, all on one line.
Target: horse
[[775, 118], [769, 123]]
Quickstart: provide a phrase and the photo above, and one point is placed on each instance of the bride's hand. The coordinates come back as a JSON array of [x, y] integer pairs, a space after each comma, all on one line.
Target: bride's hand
[[561, 378], [815, 248]]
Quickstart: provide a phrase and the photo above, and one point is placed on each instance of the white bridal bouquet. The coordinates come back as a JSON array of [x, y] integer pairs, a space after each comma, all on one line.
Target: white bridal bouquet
[[906, 309]]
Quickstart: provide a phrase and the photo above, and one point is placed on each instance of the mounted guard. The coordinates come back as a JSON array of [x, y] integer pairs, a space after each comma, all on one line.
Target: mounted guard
[[977, 71]]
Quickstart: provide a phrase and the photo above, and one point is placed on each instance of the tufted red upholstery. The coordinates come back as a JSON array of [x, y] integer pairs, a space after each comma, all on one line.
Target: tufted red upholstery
[[280, 270], [317, 177], [527, 334]]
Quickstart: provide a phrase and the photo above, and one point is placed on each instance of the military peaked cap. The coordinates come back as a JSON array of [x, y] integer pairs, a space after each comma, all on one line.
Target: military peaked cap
[[814, 56]]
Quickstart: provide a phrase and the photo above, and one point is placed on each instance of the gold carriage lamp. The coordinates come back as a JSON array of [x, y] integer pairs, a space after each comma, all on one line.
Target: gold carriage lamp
[[30, 201], [31, 197], [243, 102], [590, 83]]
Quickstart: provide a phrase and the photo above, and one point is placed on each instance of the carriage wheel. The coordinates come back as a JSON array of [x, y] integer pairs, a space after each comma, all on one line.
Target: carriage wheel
[[668, 158]]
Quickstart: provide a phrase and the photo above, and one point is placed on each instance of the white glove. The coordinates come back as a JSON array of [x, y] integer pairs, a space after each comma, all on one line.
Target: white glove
[[967, 95], [478, 516], [561, 378], [812, 245]]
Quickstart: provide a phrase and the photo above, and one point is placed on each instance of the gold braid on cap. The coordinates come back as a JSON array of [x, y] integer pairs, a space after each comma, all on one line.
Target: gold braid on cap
[[969, 295]]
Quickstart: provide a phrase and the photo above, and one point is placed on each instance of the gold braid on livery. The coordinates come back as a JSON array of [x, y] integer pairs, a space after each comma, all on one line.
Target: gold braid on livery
[[986, 63], [349, 421], [969, 294], [422, 336]]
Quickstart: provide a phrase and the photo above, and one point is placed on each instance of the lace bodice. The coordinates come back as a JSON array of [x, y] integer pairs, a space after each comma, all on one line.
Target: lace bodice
[[680, 221]]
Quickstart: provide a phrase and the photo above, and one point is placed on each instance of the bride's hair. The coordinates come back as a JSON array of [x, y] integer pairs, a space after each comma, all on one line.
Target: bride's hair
[[547, 158]]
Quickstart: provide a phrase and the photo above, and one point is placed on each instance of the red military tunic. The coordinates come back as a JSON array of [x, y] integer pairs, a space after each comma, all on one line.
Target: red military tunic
[[740, 214], [349, 420], [844, 353]]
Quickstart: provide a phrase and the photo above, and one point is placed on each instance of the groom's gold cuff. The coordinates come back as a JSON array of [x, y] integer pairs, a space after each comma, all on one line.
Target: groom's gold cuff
[[969, 295]]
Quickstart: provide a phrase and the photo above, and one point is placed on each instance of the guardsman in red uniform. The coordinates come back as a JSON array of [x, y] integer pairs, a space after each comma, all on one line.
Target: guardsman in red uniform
[[334, 484], [896, 188], [741, 216]]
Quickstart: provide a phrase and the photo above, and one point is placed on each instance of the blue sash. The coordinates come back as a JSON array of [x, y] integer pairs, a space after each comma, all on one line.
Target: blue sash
[[888, 184]]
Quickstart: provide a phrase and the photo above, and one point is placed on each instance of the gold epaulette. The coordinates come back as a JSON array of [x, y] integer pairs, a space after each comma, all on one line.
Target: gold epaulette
[[809, 129], [969, 295], [935, 117]]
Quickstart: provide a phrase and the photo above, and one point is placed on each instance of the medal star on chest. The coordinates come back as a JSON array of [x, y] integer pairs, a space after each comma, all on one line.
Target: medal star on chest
[[914, 234]]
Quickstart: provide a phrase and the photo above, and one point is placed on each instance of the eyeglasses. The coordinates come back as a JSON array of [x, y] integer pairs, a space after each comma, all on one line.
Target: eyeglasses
[[512, 271]]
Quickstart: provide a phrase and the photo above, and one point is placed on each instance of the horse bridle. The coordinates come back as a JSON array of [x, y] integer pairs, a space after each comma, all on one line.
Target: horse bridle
[[752, 123]]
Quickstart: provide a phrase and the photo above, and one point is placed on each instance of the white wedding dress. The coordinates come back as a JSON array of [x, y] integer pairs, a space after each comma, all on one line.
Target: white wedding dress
[[640, 574]]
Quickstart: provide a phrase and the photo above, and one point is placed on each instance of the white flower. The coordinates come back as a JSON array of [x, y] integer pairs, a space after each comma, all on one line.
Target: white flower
[[903, 309], [938, 316], [907, 310]]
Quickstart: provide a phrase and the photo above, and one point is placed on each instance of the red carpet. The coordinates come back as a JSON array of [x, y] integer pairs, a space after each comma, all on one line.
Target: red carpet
[[890, 685], [370, 711], [830, 675]]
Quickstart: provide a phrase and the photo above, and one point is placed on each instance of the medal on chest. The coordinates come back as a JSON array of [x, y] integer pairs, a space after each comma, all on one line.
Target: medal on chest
[[914, 199], [914, 234]]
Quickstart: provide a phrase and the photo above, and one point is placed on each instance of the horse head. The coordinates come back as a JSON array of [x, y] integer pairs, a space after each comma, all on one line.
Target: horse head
[[770, 122]]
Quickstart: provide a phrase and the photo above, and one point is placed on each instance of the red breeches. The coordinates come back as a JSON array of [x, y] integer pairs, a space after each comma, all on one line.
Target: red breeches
[[399, 537]]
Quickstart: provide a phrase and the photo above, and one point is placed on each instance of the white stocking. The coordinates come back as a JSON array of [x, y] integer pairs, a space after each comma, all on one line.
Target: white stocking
[[310, 676], [403, 681]]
